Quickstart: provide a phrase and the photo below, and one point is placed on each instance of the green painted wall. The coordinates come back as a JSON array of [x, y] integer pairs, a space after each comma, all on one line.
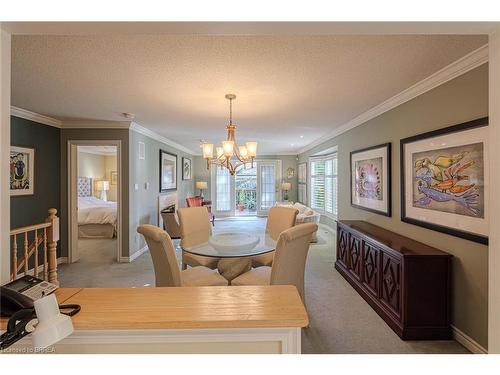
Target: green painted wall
[[462, 99], [32, 209], [144, 202]]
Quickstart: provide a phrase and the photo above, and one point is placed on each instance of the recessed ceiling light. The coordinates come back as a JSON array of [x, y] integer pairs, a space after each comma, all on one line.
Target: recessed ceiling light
[[301, 136], [293, 144]]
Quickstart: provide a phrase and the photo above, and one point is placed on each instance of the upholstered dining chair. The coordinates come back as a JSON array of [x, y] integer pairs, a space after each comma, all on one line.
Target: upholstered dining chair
[[171, 224], [198, 201], [278, 220], [165, 264], [195, 230], [289, 261]]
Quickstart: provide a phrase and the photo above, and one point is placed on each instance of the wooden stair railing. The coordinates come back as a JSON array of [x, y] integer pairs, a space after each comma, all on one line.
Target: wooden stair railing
[[46, 236]]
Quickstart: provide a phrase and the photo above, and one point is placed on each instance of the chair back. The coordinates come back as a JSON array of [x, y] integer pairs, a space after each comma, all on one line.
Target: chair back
[[280, 219], [290, 257], [162, 252], [194, 201], [195, 227], [170, 224]]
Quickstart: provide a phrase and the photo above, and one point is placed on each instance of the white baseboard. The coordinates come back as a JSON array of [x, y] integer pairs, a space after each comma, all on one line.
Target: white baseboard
[[467, 341], [134, 256]]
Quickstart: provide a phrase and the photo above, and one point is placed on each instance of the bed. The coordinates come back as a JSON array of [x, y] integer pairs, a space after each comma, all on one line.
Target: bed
[[96, 218]]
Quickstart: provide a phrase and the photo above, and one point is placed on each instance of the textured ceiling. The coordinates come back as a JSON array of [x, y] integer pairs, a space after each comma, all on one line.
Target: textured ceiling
[[291, 90]]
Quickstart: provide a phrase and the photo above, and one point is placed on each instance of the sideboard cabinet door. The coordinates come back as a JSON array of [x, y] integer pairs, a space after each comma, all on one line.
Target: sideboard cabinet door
[[342, 247], [390, 288], [370, 268], [355, 257]]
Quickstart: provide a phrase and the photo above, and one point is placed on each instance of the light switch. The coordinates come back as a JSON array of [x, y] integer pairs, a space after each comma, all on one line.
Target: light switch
[[146, 185], [136, 187]]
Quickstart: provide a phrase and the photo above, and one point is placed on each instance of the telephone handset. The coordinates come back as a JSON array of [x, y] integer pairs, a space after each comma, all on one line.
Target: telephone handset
[[17, 302]]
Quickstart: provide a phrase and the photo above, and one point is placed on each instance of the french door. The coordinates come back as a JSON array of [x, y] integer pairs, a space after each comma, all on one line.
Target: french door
[[268, 188]]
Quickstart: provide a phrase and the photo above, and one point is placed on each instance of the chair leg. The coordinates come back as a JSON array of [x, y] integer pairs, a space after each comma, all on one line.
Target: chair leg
[[213, 221]]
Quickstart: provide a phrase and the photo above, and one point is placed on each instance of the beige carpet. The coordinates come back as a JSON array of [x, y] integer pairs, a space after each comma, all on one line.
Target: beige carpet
[[341, 321]]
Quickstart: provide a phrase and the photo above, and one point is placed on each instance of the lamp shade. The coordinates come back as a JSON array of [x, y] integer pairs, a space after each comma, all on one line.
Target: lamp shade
[[102, 185], [201, 185], [208, 150], [286, 186]]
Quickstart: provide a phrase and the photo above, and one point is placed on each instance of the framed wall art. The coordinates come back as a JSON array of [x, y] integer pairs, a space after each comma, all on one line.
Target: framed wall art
[[371, 179], [22, 171], [168, 171], [444, 180], [186, 169]]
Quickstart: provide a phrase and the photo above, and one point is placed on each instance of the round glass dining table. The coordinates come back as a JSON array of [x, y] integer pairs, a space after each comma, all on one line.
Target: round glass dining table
[[234, 245], [234, 250]]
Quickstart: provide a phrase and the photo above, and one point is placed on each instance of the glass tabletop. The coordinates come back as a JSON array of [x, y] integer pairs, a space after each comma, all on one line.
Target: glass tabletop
[[234, 245]]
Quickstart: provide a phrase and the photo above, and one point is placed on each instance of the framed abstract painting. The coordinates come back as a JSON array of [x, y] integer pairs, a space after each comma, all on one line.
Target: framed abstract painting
[[22, 171], [168, 171], [445, 180], [371, 179]]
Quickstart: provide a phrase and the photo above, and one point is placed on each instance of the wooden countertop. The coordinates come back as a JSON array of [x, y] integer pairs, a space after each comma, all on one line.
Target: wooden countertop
[[186, 307]]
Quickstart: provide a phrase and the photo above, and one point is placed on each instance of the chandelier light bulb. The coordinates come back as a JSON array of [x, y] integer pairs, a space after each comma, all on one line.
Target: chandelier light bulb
[[208, 150], [252, 149], [228, 147]]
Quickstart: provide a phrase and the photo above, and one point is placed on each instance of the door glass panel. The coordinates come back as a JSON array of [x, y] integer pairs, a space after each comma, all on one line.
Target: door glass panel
[[267, 186], [223, 189]]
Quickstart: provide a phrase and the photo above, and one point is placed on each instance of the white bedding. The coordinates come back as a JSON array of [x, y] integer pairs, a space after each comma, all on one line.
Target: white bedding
[[96, 211]]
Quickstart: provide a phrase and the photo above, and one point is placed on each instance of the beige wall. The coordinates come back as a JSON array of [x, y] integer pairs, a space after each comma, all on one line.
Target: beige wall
[[462, 99], [98, 167]]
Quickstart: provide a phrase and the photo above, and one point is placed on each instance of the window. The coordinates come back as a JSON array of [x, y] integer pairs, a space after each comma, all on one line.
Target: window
[[223, 189], [323, 184]]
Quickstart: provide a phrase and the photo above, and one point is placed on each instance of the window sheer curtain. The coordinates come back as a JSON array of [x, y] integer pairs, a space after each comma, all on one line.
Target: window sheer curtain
[[323, 182]]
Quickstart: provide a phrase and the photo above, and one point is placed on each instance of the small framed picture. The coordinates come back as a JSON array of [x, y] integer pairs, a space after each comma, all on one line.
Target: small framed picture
[[186, 169], [371, 179], [445, 180], [22, 171], [168, 171], [114, 178]]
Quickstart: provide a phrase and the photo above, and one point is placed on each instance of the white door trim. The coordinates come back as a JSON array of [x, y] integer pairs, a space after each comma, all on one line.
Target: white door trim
[[72, 201]]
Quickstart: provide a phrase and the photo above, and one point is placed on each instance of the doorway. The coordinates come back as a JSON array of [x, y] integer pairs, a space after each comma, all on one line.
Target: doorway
[[94, 187], [251, 191]]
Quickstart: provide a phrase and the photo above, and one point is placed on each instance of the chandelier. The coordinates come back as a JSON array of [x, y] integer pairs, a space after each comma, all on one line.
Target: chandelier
[[230, 155]]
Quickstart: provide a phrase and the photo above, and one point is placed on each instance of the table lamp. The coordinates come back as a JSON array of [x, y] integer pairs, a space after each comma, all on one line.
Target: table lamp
[[286, 187], [103, 187], [202, 185]]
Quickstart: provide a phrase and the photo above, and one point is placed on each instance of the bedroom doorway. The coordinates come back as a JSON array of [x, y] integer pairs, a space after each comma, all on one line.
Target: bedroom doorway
[[94, 202]]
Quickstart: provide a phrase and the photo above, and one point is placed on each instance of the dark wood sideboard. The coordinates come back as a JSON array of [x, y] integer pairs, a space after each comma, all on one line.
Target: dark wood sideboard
[[406, 282]]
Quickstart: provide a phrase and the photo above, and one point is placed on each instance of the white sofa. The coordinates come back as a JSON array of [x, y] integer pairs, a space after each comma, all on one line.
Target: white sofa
[[305, 215]]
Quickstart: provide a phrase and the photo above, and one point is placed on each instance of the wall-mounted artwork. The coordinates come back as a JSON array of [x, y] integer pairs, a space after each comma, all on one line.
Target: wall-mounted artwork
[[444, 180], [186, 169], [168, 171], [22, 171], [290, 173], [371, 179]]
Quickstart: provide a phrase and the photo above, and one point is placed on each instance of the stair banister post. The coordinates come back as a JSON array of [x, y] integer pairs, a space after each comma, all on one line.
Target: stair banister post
[[53, 238]]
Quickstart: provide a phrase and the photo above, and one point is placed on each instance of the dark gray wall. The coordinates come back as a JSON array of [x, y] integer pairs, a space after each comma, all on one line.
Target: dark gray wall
[[32, 209], [144, 202], [462, 99], [88, 135]]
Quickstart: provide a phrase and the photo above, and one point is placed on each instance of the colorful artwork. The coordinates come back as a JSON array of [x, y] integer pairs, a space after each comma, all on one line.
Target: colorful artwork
[[168, 171], [450, 180], [368, 178], [22, 162], [445, 180]]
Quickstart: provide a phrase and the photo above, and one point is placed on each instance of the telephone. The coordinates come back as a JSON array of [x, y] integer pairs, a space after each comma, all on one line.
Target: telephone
[[21, 293], [17, 302]]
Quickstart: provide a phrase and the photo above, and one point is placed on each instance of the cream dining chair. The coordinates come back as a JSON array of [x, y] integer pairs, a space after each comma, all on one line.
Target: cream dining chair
[[278, 220], [289, 261], [165, 264], [195, 230]]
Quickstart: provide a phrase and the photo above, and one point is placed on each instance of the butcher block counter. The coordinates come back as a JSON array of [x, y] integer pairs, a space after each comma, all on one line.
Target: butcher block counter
[[236, 319]]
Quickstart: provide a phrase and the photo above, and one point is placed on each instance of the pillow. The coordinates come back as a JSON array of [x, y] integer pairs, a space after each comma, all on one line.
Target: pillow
[[300, 207], [308, 212]]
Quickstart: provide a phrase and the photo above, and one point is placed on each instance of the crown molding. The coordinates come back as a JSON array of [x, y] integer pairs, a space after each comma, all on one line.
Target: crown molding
[[36, 117], [157, 137], [95, 124], [457, 68]]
